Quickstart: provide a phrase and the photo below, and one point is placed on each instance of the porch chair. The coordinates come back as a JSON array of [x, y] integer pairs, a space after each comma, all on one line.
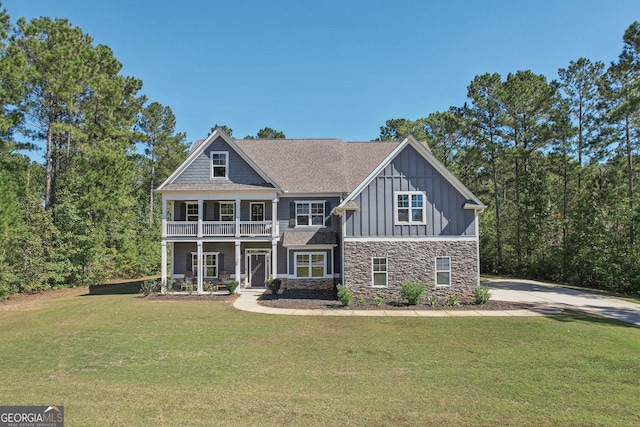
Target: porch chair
[[223, 276]]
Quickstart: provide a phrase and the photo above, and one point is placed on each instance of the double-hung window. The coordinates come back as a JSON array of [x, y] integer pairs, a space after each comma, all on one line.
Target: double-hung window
[[310, 214], [257, 211], [379, 268], [410, 207], [227, 211], [192, 211], [210, 265], [310, 265], [443, 271], [219, 164]]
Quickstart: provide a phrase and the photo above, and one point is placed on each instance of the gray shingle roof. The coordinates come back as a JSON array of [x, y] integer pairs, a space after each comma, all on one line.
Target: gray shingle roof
[[316, 165], [303, 238]]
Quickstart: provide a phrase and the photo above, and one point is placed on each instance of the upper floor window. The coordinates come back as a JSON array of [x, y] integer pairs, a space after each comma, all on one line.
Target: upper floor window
[[219, 164], [227, 211], [410, 207], [192, 211], [257, 211], [310, 213]]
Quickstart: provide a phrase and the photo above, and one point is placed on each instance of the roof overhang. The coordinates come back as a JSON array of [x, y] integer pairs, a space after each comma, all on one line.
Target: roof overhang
[[349, 206]]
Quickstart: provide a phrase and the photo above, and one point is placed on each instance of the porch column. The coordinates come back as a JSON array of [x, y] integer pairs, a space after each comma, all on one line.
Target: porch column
[[163, 264], [237, 218], [200, 269], [274, 259], [164, 217], [200, 217], [237, 265], [274, 217]]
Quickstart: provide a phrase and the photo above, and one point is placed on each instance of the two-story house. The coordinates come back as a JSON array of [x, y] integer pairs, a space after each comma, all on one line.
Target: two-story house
[[317, 212]]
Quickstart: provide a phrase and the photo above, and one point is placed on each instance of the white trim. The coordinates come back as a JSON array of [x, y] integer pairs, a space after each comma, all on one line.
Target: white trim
[[310, 247], [310, 214], [409, 208], [248, 252], [442, 271], [309, 201], [226, 202], [204, 267], [203, 146], [343, 218], [473, 206], [411, 239], [386, 272], [226, 164], [186, 209], [310, 265], [477, 231], [264, 207]]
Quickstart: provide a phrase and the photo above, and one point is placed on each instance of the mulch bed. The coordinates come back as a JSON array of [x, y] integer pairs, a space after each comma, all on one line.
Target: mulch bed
[[301, 299]]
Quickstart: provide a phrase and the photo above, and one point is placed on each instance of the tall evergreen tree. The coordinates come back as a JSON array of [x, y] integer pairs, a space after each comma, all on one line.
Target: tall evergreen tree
[[164, 149]]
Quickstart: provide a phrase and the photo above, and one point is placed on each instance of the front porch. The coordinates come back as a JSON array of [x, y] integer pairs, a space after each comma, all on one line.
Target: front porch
[[200, 266]]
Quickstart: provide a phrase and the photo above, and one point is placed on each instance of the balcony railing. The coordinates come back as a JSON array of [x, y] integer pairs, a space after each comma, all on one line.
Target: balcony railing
[[219, 228]]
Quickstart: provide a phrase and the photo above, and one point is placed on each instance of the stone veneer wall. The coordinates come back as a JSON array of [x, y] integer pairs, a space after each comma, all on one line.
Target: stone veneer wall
[[315, 284], [414, 261]]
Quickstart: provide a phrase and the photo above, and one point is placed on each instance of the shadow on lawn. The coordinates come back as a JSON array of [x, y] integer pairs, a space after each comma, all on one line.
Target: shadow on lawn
[[572, 315], [128, 288]]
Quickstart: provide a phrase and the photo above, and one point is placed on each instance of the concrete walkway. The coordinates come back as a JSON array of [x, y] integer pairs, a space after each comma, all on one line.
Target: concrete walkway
[[248, 301]]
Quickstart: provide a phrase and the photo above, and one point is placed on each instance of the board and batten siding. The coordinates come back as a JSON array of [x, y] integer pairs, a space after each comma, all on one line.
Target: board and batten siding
[[199, 171], [409, 171]]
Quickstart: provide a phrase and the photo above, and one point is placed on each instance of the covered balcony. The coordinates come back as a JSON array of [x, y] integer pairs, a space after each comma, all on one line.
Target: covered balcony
[[220, 218]]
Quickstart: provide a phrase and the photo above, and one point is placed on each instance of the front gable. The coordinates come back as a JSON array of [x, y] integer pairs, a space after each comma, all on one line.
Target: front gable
[[197, 169], [411, 170]]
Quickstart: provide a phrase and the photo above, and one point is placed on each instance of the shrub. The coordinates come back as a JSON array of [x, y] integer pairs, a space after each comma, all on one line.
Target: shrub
[[481, 294], [169, 286], [413, 292], [452, 301], [379, 300], [209, 287], [432, 301], [148, 286], [189, 286], [5, 291], [361, 301], [273, 285], [231, 285], [345, 296]]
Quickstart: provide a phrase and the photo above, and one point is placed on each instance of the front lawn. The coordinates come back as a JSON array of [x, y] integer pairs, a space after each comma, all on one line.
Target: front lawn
[[120, 359]]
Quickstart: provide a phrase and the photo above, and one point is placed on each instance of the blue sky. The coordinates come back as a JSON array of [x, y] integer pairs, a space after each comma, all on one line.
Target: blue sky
[[334, 68]]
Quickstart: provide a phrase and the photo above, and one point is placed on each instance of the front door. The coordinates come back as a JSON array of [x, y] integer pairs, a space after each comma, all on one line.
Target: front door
[[258, 266]]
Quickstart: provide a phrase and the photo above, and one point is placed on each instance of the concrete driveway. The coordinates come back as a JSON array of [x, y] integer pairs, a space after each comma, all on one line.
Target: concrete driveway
[[544, 293]]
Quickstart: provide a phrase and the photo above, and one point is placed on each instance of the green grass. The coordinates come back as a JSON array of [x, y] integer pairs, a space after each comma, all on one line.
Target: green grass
[[118, 359]]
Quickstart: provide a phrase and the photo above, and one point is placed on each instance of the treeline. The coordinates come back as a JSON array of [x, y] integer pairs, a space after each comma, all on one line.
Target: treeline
[[555, 161], [89, 212]]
